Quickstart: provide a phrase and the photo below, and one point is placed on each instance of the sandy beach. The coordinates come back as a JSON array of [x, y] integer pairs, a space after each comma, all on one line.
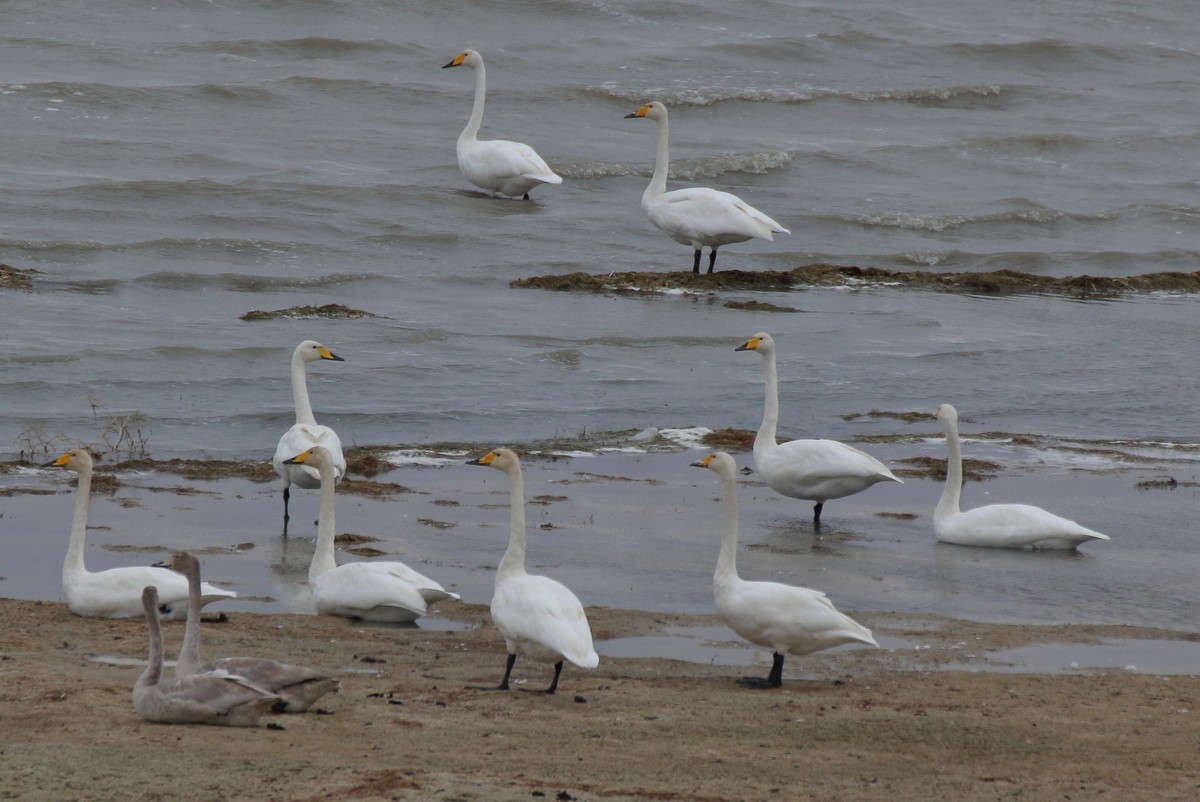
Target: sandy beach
[[853, 724]]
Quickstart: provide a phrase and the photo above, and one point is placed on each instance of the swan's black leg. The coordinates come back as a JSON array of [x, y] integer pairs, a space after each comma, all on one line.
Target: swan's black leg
[[820, 505], [287, 495], [773, 680], [553, 683], [526, 196], [712, 258], [696, 262], [503, 686]]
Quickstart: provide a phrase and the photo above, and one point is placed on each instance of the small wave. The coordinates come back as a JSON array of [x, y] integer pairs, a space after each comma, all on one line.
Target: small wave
[[238, 282], [926, 96], [1051, 52], [758, 163], [702, 96], [303, 47], [1023, 142], [712, 95], [1036, 216]]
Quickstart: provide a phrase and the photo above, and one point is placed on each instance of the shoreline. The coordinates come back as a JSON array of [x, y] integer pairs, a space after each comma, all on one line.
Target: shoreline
[[944, 710]]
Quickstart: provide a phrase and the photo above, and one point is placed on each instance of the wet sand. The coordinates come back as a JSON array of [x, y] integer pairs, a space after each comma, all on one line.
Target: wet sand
[[909, 723]]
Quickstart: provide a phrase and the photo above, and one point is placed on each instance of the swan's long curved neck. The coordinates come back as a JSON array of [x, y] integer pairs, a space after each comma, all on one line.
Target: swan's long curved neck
[[949, 502], [662, 164], [304, 413], [513, 562], [472, 130], [727, 559], [154, 664], [73, 566], [323, 559], [189, 651], [766, 431]]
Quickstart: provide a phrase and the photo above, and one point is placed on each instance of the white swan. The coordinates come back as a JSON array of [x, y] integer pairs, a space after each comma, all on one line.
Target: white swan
[[538, 616], [306, 432], [372, 591], [1012, 526], [194, 699], [117, 592], [698, 216], [298, 687], [785, 618], [813, 470], [497, 165]]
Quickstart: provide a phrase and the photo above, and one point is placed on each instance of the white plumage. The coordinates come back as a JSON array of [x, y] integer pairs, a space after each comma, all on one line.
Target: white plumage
[[117, 592], [538, 616], [813, 470], [1012, 526], [698, 216], [306, 432], [497, 165], [196, 698], [373, 591], [297, 687], [784, 618]]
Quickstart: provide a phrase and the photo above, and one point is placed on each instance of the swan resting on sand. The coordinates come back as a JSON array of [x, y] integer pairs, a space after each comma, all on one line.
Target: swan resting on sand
[[296, 686], [197, 698], [117, 592]]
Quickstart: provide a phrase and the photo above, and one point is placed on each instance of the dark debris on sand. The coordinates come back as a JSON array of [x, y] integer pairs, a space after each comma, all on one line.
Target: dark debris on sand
[[996, 282]]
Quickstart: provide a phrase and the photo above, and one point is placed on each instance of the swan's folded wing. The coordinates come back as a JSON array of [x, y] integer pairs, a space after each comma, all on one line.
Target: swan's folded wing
[[499, 159], [364, 586], [707, 212], [543, 611]]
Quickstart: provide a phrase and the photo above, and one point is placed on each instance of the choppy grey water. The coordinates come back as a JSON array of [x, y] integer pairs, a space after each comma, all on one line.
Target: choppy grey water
[[170, 168]]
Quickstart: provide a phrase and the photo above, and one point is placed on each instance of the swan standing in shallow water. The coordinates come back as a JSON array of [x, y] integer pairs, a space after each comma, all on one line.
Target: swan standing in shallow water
[[372, 591], [298, 687], [497, 165], [698, 216], [306, 432], [538, 616], [813, 470], [194, 699], [785, 618], [1012, 526], [117, 592]]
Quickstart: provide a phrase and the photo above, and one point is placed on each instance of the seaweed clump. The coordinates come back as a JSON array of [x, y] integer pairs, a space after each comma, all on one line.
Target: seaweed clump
[[17, 278], [994, 282], [326, 312]]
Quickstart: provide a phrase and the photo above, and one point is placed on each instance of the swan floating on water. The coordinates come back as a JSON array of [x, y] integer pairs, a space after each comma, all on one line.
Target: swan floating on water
[[784, 618], [117, 592], [296, 686], [306, 432], [813, 470], [698, 216], [196, 698], [1011, 526], [372, 591], [497, 165], [539, 617]]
